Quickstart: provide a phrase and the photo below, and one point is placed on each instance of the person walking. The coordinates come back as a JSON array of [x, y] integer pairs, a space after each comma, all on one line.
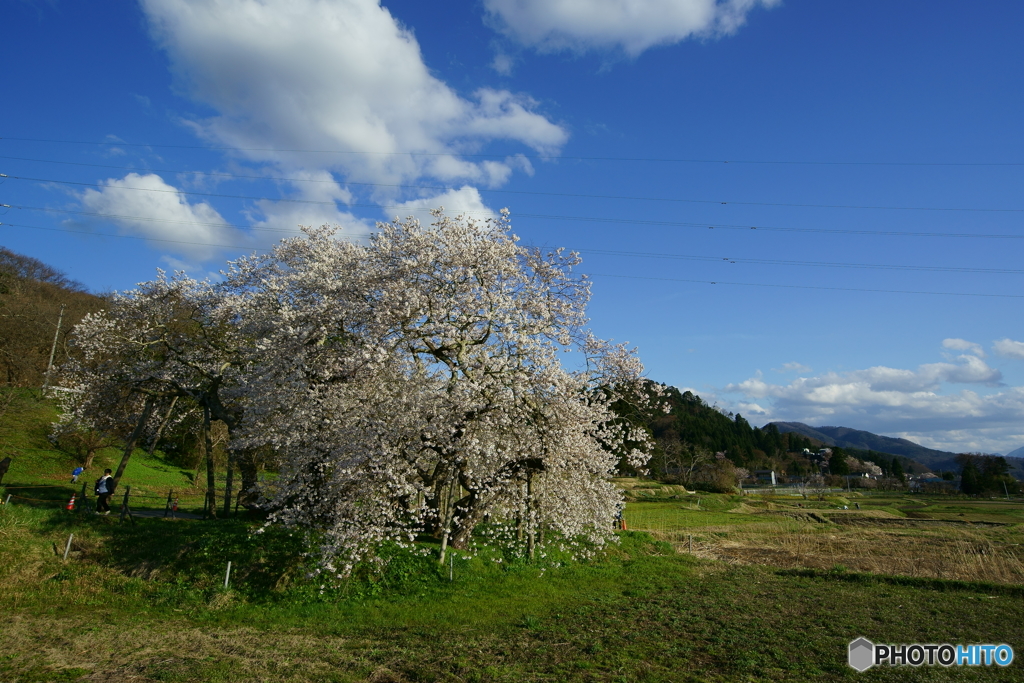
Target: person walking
[[75, 474], [104, 492]]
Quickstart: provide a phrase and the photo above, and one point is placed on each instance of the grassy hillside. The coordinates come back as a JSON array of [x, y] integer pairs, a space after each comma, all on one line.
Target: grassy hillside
[[40, 473]]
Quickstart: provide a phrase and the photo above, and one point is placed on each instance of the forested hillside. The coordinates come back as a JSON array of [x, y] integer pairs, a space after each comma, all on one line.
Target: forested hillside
[[31, 295], [859, 439], [693, 425], [693, 431]]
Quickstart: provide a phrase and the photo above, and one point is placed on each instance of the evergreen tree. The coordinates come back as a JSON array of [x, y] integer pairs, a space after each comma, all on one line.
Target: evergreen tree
[[837, 463], [897, 470], [969, 479]]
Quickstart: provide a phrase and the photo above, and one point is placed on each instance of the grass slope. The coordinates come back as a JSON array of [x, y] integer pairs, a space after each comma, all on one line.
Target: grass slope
[[144, 603], [40, 473]]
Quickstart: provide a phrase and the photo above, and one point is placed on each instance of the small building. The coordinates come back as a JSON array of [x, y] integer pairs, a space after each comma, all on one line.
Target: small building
[[765, 476]]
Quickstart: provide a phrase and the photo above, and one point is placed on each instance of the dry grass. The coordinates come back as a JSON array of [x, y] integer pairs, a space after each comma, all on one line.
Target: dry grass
[[935, 550]]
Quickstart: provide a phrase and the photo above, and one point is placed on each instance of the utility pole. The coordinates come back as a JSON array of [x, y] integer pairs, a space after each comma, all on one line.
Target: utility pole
[[53, 348]]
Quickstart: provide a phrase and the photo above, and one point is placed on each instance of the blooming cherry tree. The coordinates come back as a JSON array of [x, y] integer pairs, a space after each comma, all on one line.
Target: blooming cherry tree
[[414, 385]]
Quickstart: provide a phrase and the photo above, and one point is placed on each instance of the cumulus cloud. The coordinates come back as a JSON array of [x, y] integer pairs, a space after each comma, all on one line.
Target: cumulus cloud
[[146, 206], [629, 25], [916, 404], [963, 345], [1009, 348], [314, 203], [465, 200], [338, 75]]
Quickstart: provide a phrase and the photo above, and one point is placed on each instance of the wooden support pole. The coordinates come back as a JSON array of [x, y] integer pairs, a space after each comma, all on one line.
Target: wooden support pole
[[211, 482], [227, 575], [228, 483], [531, 541], [53, 349]]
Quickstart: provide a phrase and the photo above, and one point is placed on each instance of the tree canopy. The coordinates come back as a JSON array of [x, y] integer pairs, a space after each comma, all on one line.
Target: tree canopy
[[409, 385]]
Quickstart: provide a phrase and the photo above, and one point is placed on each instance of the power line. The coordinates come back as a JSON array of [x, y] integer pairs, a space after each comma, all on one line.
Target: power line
[[608, 252], [793, 162], [150, 219], [599, 219], [584, 196], [159, 239], [712, 259], [441, 188], [819, 264], [133, 237], [832, 289]]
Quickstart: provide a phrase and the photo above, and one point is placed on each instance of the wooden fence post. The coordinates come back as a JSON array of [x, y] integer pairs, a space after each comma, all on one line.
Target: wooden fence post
[[125, 510], [81, 501]]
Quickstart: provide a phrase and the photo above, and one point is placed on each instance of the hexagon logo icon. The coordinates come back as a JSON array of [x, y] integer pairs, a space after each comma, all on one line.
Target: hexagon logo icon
[[862, 654]]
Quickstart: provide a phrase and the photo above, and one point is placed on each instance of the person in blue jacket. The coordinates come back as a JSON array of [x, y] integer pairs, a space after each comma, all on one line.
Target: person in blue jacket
[[74, 474]]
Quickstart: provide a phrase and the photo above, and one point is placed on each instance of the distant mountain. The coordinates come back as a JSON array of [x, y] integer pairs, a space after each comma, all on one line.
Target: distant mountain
[[845, 437], [934, 460]]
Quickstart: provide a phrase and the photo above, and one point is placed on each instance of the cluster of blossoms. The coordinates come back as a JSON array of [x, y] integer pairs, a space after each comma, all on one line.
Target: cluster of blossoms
[[409, 385]]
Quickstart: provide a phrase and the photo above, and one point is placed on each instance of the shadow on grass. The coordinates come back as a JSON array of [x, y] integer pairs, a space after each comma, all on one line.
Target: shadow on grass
[[941, 585], [39, 496]]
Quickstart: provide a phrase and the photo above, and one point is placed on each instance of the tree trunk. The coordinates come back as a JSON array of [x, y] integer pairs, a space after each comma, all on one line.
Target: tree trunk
[[147, 410], [228, 482], [246, 461], [163, 424], [530, 530], [468, 512], [89, 455], [211, 483], [446, 527]]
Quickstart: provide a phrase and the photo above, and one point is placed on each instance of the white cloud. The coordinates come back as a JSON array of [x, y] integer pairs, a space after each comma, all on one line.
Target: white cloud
[[313, 204], [893, 401], [160, 212], [629, 25], [963, 345], [503, 64], [793, 367], [1009, 348], [336, 75], [465, 200]]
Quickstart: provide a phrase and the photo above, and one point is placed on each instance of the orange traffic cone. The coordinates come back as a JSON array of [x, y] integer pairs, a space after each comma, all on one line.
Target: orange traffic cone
[[71, 503]]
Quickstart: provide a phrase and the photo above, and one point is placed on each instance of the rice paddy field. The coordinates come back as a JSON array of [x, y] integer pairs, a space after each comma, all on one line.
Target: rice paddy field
[[937, 537]]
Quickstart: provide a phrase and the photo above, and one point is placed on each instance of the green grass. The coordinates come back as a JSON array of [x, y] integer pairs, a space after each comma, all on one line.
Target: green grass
[[40, 473], [146, 601], [676, 516]]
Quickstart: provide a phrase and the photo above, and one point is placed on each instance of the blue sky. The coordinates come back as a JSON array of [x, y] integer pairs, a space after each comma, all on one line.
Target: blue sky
[[875, 148]]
